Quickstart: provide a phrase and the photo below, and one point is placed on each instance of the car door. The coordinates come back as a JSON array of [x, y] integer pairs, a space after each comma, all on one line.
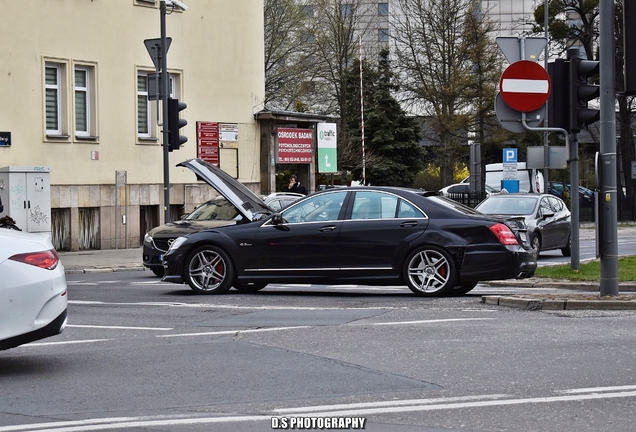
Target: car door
[[547, 223], [376, 231], [305, 242], [561, 223]]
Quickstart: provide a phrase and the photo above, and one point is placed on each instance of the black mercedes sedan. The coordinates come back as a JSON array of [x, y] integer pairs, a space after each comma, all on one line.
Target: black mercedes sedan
[[363, 235]]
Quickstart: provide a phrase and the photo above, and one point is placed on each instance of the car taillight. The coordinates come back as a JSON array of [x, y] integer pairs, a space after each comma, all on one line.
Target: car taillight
[[46, 259], [504, 234]]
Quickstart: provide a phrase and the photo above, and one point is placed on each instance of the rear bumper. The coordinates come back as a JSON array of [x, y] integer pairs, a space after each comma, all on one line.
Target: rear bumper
[[510, 262], [55, 327]]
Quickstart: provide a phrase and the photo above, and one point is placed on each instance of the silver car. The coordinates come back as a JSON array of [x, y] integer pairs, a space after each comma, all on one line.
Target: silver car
[[547, 217]]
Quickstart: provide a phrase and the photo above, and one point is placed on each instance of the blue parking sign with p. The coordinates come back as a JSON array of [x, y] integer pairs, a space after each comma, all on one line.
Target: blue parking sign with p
[[510, 155]]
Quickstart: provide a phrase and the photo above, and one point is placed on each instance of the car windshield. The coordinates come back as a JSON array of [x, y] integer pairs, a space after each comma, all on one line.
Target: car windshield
[[509, 205], [216, 209]]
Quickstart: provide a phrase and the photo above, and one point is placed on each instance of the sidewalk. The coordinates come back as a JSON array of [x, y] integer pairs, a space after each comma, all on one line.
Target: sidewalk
[[107, 260]]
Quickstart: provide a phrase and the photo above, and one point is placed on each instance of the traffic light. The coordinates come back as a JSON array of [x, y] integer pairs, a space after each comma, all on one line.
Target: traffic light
[[629, 47], [559, 100], [581, 92], [175, 123]]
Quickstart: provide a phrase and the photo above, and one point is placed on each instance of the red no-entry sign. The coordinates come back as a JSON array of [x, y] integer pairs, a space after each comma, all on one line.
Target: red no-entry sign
[[525, 86]]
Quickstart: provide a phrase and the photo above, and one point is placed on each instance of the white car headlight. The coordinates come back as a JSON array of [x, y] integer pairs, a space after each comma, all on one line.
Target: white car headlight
[[177, 242], [147, 238]]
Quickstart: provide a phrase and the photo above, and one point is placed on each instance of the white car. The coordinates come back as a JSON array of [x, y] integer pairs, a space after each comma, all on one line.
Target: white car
[[33, 297]]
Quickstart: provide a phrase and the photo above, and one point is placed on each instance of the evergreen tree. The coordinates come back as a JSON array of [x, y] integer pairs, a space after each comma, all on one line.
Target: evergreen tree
[[391, 137]]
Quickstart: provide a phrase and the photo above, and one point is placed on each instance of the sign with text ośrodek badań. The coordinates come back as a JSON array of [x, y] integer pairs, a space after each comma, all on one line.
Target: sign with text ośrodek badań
[[294, 146], [525, 86]]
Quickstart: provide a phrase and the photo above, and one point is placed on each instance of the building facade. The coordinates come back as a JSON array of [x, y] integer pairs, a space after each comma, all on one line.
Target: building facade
[[74, 89]]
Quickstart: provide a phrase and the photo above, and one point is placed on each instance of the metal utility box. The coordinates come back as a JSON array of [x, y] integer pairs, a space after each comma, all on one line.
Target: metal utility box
[[26, 195]]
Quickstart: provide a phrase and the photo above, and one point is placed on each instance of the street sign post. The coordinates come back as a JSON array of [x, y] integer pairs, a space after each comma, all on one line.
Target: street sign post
[[525, 86]]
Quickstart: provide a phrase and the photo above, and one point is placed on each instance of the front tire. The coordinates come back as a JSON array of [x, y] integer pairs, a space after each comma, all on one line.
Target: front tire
[[536, 243], [567, 251], [209, 270], [430, 271], [158, 271]]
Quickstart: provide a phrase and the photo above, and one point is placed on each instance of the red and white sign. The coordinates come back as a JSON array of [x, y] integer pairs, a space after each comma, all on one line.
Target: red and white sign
[[208, 142], [525, 86], [295, 145]]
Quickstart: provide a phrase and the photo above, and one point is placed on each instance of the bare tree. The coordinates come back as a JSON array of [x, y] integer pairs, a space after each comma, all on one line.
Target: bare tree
[[339, 24], [447, 70], [288, 49]]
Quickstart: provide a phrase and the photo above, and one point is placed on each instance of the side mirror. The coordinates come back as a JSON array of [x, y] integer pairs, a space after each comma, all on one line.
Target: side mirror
[[547, 215], [277, 219]]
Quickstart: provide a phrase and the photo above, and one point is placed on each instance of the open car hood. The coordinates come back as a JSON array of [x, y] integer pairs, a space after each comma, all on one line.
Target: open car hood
[[246, 201]]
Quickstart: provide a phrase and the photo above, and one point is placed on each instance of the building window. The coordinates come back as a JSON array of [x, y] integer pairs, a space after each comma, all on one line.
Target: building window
[[346, 9], [147, 109], [53, 89], [309, 11], [383, 35], [383, 9], [83, 98], [144, 109]]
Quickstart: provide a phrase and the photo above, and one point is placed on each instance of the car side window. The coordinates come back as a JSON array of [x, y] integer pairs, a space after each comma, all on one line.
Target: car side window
[[319, 208], [407, 210], [556, 205], [367, 205], [374, 205], [544, 207]]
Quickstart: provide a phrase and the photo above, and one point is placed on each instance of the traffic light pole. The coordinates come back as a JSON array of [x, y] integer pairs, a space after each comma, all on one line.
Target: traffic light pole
[[164, 111], [575, 259], [607, 223], [574, 234]]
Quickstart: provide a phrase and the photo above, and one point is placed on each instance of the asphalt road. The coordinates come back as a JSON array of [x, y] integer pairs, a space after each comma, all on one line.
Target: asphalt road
[[141, 354]]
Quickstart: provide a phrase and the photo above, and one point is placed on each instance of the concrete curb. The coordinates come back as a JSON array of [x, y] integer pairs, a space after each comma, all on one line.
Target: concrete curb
[[533, 304], [536, 282], [74, 270]]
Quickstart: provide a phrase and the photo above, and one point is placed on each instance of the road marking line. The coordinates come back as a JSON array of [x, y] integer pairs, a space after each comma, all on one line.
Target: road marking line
[[120, 327], [218, 306], [226, 332], [319, 408], [103, 424], [476, 404], [423, 321], [597, 389], [33, 344]]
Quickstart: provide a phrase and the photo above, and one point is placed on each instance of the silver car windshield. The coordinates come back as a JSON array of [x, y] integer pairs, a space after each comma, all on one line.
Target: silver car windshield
[[508, 206], [216, 209]]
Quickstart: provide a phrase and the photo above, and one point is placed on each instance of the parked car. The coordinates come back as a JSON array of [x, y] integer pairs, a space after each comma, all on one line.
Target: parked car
[[546, 216], [214, 213], [33, 299], [563, 191], [278, 200], [365, 235]]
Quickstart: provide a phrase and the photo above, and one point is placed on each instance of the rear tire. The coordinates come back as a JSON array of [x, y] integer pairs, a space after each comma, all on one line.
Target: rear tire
[[463, 289], [430, 271], [209, 270]]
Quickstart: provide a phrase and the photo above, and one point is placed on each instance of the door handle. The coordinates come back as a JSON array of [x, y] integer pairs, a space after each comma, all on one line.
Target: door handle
[[408, 224], [327, 228]]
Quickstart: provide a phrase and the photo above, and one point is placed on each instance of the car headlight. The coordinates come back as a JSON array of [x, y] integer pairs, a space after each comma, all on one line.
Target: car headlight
[[177, 242], [147, 238]]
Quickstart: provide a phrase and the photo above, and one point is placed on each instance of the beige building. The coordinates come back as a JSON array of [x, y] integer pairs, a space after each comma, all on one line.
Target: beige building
[[74, 98]]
